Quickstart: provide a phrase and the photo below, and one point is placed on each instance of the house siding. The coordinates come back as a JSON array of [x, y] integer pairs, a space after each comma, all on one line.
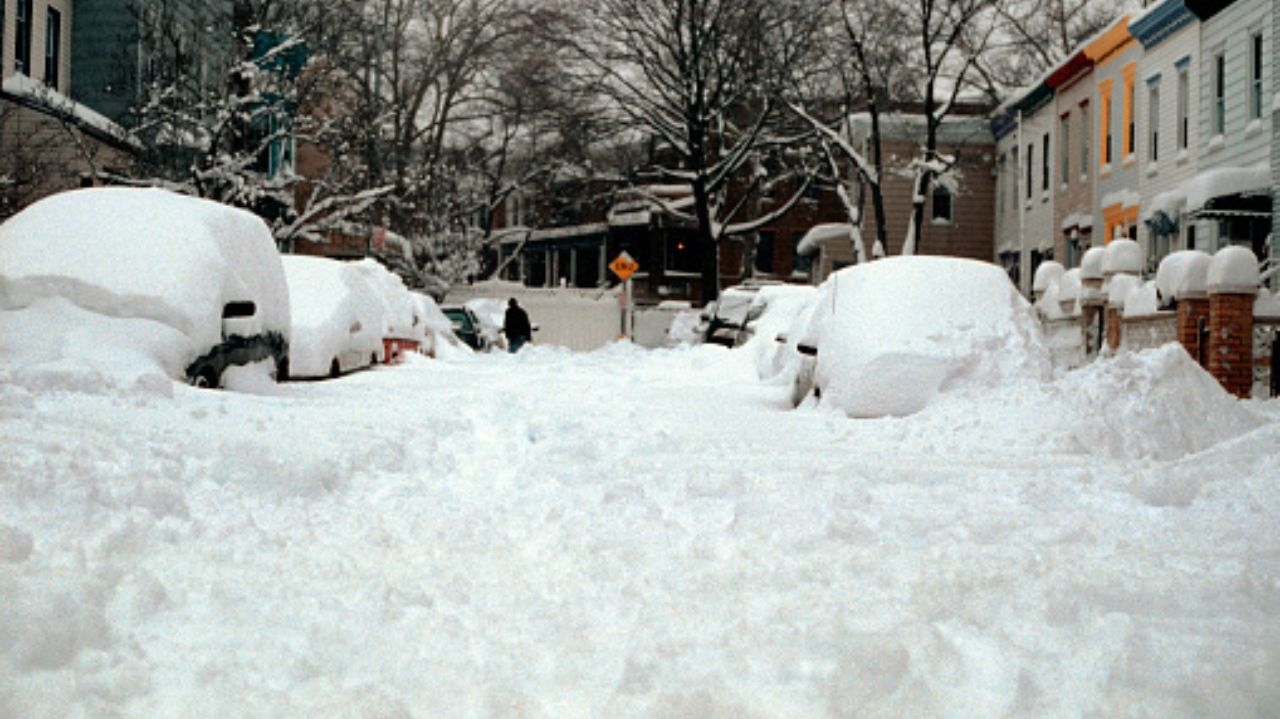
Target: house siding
[[1116, 199], [1174, 166], [1075, 198]]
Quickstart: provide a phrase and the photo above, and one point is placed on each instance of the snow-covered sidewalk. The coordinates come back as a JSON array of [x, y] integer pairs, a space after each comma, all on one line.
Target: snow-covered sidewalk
[[638, 534]]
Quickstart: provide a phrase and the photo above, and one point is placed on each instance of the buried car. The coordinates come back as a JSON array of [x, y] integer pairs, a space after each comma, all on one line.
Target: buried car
[[888, 336], [184, 287], [336, 316]]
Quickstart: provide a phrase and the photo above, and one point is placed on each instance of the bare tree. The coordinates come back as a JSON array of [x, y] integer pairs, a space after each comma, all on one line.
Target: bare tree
[[702, 78]]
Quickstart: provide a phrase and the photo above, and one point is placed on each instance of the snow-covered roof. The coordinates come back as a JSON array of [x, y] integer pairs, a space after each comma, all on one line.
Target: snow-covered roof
[[40, 96], [819, 235]]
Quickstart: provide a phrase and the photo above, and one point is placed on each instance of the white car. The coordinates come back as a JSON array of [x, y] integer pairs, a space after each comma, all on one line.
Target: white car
[[337, 317], [141, 281], [888, 336]]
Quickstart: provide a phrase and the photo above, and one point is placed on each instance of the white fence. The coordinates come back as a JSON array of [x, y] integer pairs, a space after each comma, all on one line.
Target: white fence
[[579, 319]]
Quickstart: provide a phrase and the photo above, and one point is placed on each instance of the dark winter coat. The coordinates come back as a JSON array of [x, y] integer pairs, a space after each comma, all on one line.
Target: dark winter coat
[[516, 323]]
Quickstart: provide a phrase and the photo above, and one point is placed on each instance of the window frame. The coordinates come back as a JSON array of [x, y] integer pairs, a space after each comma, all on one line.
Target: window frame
[[1064, 147], [1153, 121], [52, 46], [1184, 108], [1046, 147], [1257, 56], [1218, 69], [24, 30]]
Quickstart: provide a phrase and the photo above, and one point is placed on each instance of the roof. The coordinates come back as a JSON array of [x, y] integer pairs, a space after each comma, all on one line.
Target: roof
[[1160, 21]]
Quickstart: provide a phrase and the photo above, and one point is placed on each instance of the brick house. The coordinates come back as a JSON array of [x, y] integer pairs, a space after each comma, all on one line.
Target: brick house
[[959, 213]]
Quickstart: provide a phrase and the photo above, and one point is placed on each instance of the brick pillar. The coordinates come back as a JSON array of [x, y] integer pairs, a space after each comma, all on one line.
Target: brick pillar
[[1192, 311], [1092, 314], [1114, 328], [1231, 341]]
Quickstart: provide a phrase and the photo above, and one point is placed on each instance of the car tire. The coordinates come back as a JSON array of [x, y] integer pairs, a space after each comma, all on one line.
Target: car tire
[[334, 369], [802, 383], [207, 378]]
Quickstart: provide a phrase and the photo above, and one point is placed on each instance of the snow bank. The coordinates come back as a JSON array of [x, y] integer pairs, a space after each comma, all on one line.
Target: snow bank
[[337, 315], [892, 334], [54, 345], [1155, 404], [145, 254]]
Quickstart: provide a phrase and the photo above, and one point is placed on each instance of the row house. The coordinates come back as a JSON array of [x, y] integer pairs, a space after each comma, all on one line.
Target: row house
[[1155, 130]]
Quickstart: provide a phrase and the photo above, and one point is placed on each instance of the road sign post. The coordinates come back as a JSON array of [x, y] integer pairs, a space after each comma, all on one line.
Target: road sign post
[[624, 265]]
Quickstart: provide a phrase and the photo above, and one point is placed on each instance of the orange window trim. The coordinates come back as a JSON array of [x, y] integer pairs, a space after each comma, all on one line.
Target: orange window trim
[[1118, 215]]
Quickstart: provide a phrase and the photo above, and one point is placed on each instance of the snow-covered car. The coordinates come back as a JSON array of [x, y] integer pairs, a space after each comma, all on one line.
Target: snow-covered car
[[182, 286], [769, 332], [401, 327], [336, 315], [888, 336], [729, 319]]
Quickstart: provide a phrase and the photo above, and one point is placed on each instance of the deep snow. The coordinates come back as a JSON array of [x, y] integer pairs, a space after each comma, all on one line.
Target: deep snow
[[638, 534]]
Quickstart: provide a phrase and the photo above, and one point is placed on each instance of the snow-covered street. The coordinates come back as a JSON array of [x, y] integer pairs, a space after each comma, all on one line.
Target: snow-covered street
[[633, 533]]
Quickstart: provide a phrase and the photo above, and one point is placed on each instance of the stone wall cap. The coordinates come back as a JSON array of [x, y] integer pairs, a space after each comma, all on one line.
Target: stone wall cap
[[1234, 270], [1183, 275], [1122, 255], [1091, 263]]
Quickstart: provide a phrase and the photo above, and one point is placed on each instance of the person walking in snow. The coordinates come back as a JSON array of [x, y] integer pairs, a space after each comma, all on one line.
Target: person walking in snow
[[515, 325]]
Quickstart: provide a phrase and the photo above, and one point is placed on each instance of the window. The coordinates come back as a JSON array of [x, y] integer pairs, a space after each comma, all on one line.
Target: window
[[1255, 77], [942, 209], [1219, 93], [1085, 133], [1184, 109], [1013, 176], [1031, 154], [22, 41], [1130, 107], [1002, 173], [1153, 122], [1044, 165], [764, 251], [52, 47], [1104, 121], [1064, 148]]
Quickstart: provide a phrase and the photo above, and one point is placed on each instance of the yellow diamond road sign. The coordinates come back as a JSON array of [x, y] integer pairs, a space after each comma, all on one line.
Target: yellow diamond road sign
[[624, 265]]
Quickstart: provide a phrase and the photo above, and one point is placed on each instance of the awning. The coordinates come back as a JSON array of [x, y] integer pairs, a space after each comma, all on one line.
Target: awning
[[1253, 205]]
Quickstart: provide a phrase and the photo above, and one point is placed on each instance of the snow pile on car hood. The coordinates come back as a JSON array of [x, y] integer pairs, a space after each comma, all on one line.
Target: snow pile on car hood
[[894, 333], [145, 254]]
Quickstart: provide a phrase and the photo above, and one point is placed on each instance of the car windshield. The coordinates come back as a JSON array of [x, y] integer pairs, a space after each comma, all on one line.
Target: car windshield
[[459, 318]]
